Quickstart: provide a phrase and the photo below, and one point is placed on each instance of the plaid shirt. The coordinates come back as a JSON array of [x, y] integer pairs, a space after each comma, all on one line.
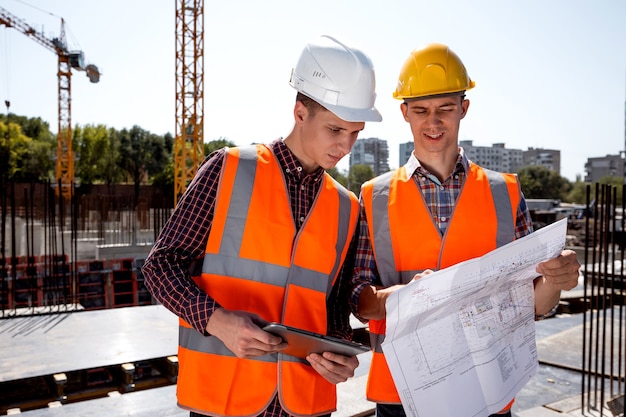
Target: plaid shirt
[[184, 237], [440, 198]]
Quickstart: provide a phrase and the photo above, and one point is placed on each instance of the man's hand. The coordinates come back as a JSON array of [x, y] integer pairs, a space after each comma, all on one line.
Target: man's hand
[[333, 367], [240, 331], [557, 274], [562, 272], [373, 299]]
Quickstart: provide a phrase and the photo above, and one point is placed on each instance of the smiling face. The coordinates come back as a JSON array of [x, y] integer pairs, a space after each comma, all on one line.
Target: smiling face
[[435, 126], [320, 138]]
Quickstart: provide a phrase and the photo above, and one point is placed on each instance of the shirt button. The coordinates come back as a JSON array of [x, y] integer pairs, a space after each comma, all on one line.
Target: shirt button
[[442, 188], [287, 170], [443, 219], [302, 187], [299, 169], [301, 219]]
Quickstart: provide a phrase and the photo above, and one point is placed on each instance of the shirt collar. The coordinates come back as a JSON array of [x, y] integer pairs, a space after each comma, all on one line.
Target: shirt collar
[[413, 165], [290, 163]]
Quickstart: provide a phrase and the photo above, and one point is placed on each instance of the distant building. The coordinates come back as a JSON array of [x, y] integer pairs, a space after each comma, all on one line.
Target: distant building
[[548, 158], [373, 152], [405, 152], [604, 166], [496, 157]]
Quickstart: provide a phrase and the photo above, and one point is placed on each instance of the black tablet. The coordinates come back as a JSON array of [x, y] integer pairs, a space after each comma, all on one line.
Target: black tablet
[[302, 342]]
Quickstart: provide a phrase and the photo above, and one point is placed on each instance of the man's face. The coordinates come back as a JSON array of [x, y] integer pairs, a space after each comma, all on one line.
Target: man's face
[[435, 123], [325, 138]]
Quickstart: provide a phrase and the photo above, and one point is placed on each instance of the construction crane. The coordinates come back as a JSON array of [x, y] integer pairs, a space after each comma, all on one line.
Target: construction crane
[[67, 60], [188, 143]]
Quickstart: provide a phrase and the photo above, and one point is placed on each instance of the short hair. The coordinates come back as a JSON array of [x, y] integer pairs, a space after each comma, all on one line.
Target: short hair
[[311, 105]]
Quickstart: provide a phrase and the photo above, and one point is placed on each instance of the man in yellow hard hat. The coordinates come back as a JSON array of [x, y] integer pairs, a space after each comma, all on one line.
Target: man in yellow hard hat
[[269, 230], [437, 210]]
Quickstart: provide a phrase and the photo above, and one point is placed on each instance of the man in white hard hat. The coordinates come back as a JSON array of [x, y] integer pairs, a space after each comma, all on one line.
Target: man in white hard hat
[[270, 230]]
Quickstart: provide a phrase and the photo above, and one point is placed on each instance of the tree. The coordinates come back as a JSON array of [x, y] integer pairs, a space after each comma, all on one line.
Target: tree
[[357, 175], [22, 158], [540, 182], [578, 192], [34, 128], [214, 145], [339, 176], [96, 152], [141, 153]]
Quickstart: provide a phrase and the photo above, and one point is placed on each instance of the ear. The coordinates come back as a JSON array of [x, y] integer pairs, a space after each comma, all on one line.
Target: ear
[[404, 108], [300, 112], [464, 106]]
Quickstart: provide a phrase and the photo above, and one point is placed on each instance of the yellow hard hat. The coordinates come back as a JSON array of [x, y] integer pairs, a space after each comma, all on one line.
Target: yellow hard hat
[[432, 70]]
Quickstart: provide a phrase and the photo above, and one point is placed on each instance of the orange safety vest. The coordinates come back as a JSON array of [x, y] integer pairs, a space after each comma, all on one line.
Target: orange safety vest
[[256, 261], [406, 240]]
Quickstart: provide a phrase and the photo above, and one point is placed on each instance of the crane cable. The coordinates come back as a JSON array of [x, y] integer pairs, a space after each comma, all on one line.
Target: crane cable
[[6, 82], [5, 53]]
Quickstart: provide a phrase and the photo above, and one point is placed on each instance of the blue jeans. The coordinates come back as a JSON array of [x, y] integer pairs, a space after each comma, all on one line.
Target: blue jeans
[[395, 410]]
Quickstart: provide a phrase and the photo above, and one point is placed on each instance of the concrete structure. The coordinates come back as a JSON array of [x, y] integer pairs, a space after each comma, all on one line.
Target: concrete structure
[[548, 158], [496, 157], [373, 152], [604, 166], [405, 152]]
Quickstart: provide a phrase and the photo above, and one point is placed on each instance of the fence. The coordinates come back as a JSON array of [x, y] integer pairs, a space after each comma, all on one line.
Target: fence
[[50, 254], [604, 342]]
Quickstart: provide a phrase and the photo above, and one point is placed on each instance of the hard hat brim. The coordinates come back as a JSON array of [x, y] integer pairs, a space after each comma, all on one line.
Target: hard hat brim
[[354, 115]]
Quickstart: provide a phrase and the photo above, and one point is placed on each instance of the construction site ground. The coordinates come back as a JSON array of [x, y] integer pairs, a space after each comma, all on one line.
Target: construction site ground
[[38, 345]]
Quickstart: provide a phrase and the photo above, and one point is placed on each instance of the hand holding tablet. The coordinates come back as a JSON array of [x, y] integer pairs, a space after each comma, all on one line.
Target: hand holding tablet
[[301, 342]]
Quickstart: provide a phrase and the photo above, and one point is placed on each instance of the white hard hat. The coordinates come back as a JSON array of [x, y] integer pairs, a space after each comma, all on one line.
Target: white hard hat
[[338, 77]]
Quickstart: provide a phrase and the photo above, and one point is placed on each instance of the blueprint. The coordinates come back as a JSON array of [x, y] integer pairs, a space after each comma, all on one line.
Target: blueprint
[[461, 341]]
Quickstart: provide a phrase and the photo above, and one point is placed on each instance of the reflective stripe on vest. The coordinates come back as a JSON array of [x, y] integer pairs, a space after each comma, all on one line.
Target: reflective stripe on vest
[[406, 240], [256, 262]]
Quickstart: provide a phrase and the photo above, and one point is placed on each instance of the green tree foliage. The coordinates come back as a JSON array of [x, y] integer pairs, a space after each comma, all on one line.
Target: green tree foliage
[[164, 180], [34, 128], [541, 182], [578, 192], [97, 153], [339, 176], [357, 175], [219, 143], [22, 158], [141, 153]]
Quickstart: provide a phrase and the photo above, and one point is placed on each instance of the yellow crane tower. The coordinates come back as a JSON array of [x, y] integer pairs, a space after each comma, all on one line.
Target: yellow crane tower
[[188, 142], [66, 61]]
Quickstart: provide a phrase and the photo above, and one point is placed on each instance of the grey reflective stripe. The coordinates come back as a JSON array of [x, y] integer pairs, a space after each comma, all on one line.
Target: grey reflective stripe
[[376, 342], [239, 202], [307, 278], [245, 268], [392, 277], [228, 262], [382, 230], [189, 338], [504, 212], [345, 208]]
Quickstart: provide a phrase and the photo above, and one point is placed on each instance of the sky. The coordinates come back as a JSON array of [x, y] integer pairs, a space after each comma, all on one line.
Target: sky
[[549, 74]]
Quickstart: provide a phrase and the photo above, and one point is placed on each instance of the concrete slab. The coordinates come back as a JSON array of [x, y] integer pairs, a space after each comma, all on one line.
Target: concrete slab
[[32, 346], [155, 402]]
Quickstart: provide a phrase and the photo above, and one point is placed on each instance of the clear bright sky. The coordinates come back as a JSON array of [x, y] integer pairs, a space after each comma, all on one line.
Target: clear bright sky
[[549, 73]]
